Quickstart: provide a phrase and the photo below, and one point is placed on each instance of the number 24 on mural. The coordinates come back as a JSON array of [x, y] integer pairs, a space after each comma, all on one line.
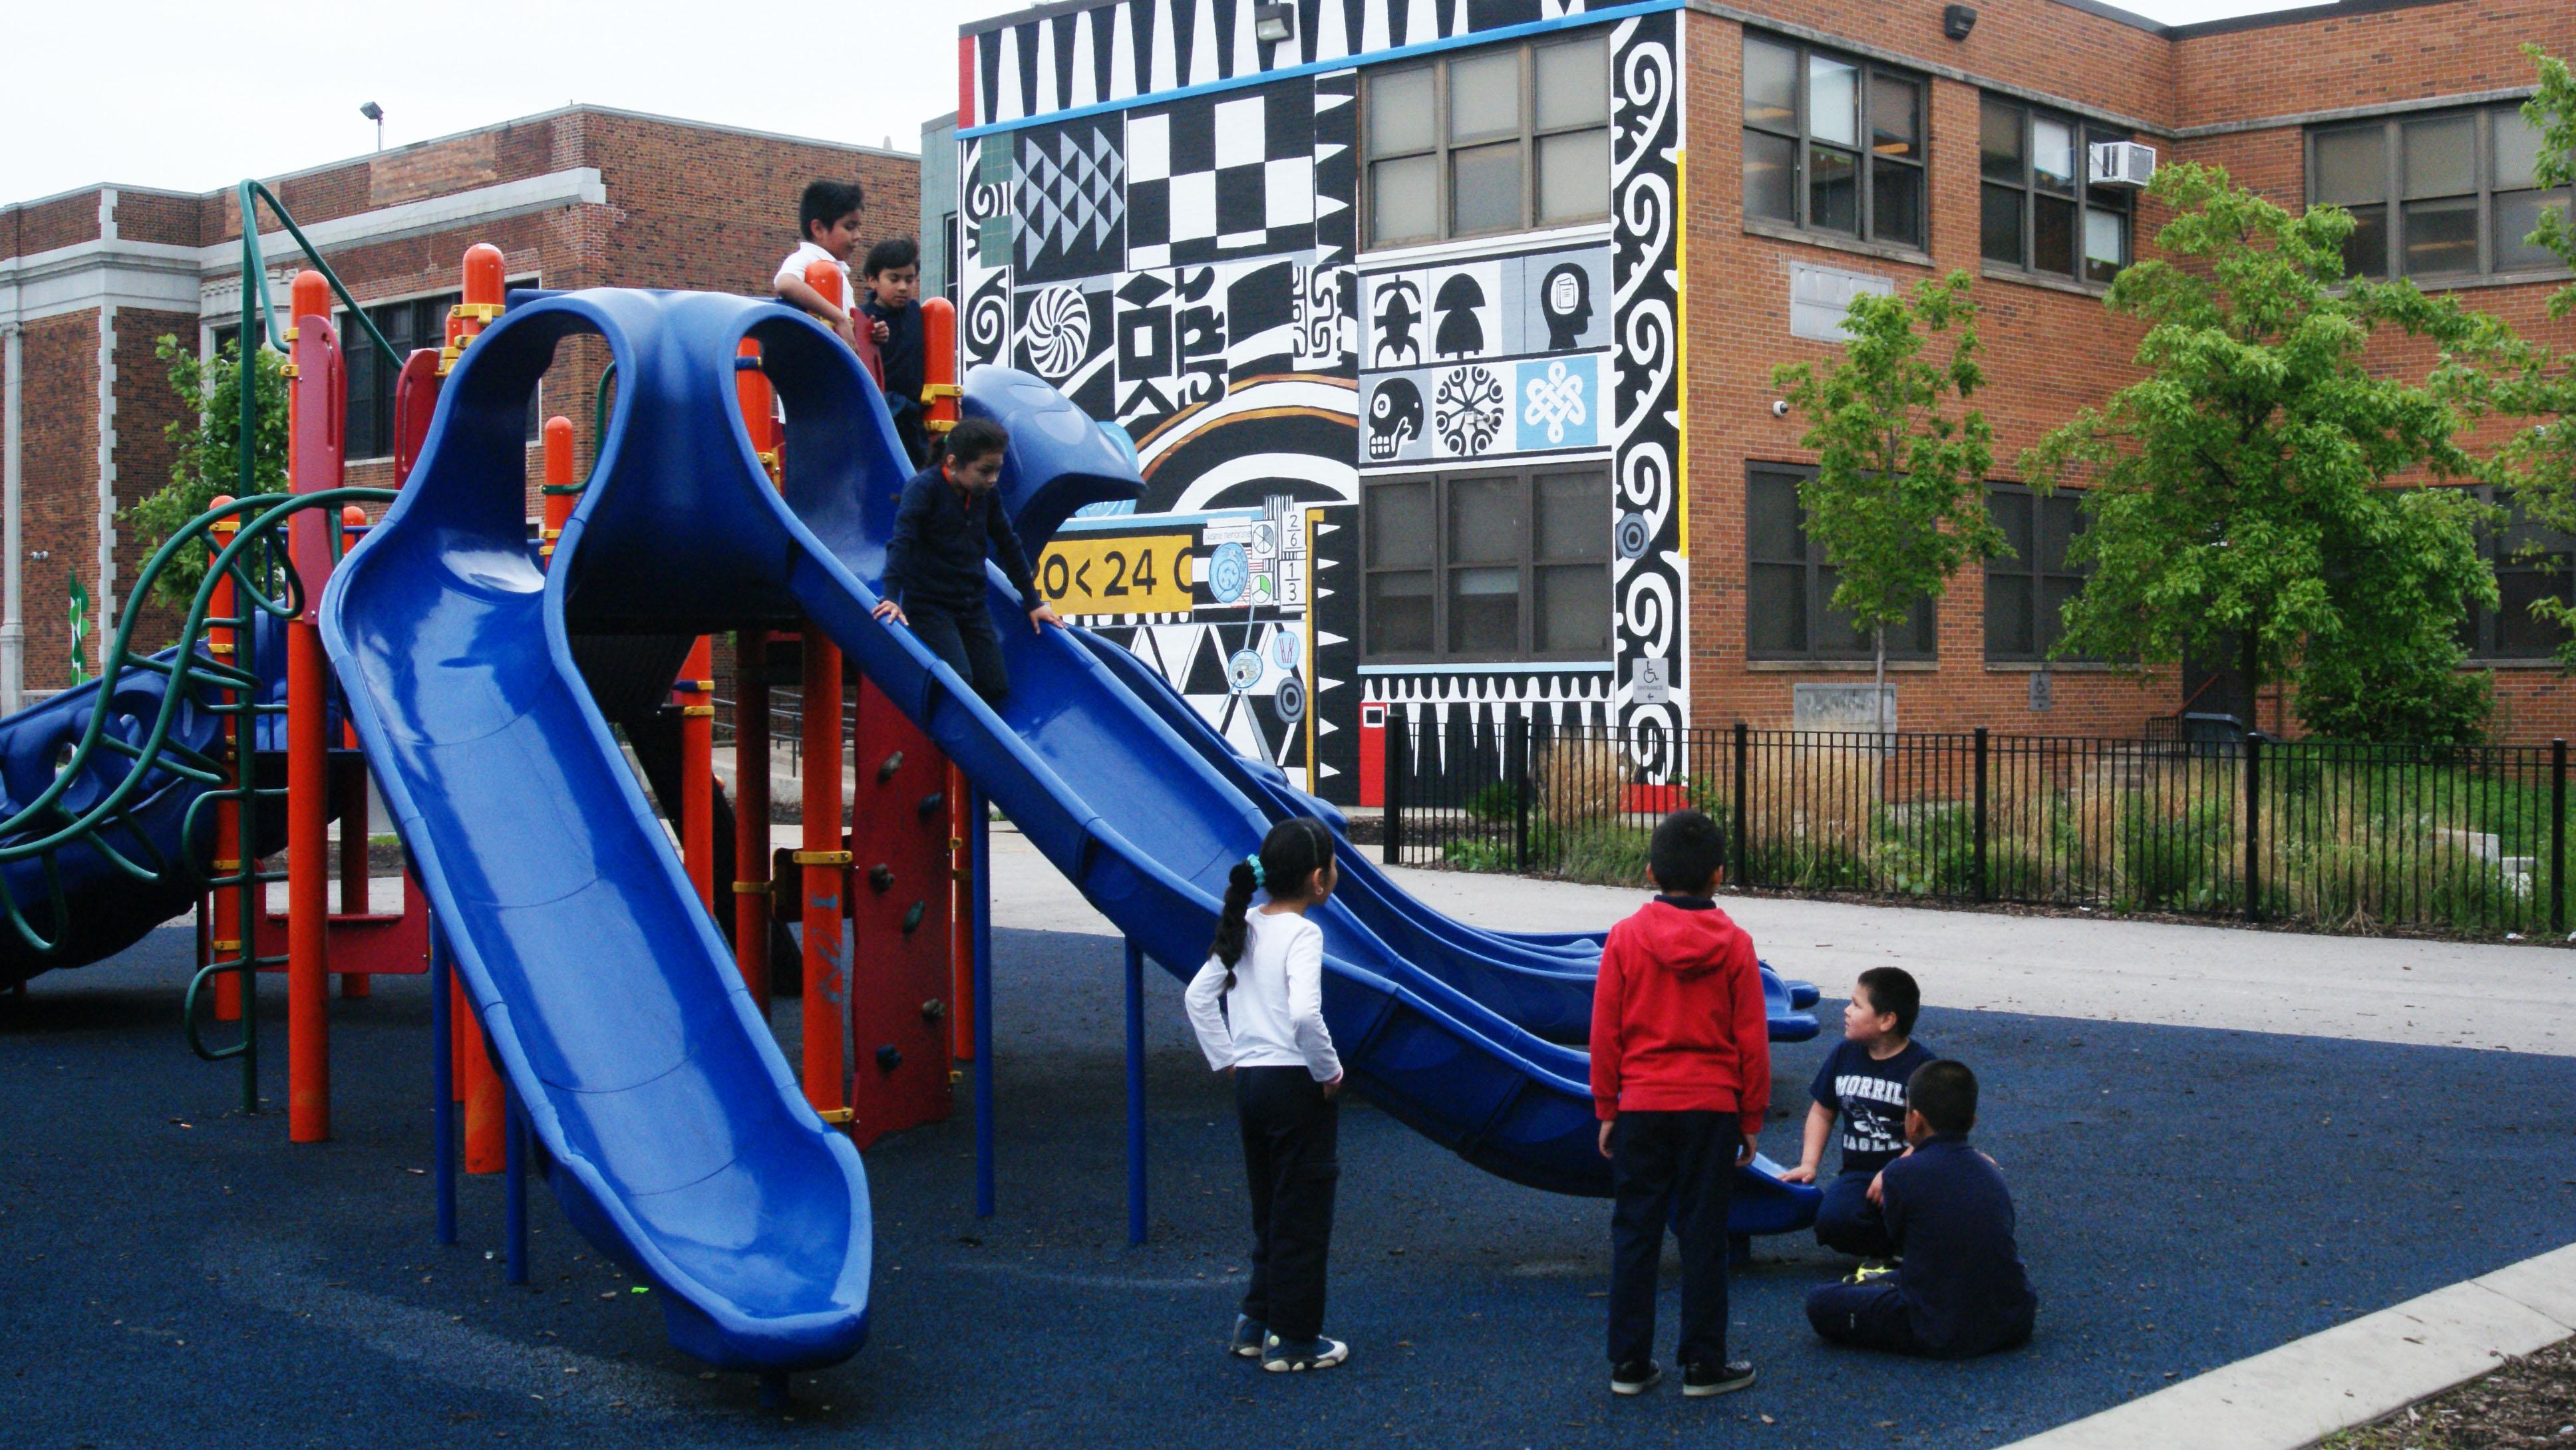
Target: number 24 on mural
[[1117, 576]]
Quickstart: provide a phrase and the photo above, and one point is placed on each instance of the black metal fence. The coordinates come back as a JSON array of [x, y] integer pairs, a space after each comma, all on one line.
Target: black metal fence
[[2470, 841]]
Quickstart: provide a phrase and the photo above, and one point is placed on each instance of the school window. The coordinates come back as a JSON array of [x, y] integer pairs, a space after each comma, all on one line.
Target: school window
[[1789, 585], [2027, 593], [1493, 141], [2454, 194], [2532, 562], [1487, 566], [409, 325], [1832, 144], [2040, 210]]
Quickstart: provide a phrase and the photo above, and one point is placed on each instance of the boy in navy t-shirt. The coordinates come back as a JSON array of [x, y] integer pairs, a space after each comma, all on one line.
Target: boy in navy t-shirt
[[1960, 1289], [892, 275], [1863, 1084]]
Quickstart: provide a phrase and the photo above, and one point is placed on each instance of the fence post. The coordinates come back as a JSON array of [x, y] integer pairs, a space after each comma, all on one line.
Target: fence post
[[1978, 855], [1741, 855], [2254, 825], [2558, 836], [1399, 731], [1518, 763]]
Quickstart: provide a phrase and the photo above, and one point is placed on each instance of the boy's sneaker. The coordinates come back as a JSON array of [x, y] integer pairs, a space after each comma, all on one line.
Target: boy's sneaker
[[1870, 1271], [1280, 1357], [1248, 1338], [1700, 1381], [1635, 1377]]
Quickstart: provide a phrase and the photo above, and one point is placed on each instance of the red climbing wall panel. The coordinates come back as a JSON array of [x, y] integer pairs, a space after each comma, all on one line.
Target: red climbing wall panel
[[899, 912]]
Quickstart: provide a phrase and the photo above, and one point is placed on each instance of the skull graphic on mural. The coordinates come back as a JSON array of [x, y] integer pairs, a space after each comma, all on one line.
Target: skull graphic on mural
[[1395, 418]]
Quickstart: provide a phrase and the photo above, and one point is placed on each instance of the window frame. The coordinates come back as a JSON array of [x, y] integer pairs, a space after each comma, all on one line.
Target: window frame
[[2479, 626], [2394, 198], [1442, 148], [354, 343], [1529, 561], [2043, 638], [1817, 593], [2087, 195], [1799, 133]]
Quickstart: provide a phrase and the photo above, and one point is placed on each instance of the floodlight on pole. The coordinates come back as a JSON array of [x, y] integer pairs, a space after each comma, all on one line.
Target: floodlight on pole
[[375, 113]]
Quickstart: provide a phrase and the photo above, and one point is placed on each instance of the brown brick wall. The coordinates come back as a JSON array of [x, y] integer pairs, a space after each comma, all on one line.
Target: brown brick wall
[[59, 512], [146, 405], [2048, 352], [157, 216], [45, 225], [2361, 60]]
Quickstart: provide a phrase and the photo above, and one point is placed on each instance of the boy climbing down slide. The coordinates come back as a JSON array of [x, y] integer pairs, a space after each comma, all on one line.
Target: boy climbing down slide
[[1960, 1289], [948, 524]]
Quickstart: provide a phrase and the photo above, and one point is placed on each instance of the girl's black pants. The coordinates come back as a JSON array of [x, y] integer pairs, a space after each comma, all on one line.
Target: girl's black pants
[[1290, 1145]]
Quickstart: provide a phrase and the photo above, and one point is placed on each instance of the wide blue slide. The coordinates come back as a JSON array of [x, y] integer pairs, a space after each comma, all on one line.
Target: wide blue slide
[[678, 1139]]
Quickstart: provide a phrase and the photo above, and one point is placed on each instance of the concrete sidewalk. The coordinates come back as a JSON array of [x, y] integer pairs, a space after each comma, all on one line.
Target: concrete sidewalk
[[2374, 989]]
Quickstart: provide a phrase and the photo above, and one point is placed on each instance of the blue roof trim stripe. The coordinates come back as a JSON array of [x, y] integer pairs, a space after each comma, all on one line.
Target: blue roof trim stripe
[[1321, 67]]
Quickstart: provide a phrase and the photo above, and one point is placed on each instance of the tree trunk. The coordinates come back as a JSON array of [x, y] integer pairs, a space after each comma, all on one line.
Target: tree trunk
[[1878, 681]]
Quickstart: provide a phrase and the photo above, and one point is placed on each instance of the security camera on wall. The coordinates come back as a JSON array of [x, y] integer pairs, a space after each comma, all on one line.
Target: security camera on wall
[[1779, 407]]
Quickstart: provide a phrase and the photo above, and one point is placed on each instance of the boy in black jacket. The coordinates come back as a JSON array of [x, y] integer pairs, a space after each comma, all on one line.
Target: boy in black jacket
[[892, 277], [949, 523], [1959, 1289]]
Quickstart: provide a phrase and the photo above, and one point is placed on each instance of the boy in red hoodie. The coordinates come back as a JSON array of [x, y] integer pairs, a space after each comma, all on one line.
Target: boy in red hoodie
[[1681, 1078]]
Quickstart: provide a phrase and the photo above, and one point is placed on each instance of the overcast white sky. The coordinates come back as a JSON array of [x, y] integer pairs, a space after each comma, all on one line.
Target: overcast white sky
[[152, 92]]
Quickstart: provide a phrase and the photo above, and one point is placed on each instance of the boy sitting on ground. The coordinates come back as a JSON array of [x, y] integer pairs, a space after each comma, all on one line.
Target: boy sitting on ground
[[1959, 1289], [1863, 1084], [1681, 1076], [892, 274]]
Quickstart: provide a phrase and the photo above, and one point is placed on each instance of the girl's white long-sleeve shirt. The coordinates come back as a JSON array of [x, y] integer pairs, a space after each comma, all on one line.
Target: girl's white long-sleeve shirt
[[1274, 1016]]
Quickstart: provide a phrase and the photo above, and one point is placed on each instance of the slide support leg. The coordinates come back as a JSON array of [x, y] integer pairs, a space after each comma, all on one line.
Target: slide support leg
[[515, 1199], [442, 1083], [1135, 1093], [979, 837]]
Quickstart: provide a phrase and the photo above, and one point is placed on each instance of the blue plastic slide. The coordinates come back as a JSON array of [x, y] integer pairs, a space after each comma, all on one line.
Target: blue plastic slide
[[1543, 983], [678, 1139]]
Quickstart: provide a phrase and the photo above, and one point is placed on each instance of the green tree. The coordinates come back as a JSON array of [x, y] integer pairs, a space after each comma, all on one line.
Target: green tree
[[2492, 369], [2245, 488], [206, 460], [1898, 498]]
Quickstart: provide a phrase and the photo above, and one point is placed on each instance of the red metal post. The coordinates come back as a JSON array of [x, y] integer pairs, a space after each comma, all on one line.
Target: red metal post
[[751, 882], [939, 392], [559, 490], [824, 276], [316, 396], [228, 931], [696, 696], [826, 864]]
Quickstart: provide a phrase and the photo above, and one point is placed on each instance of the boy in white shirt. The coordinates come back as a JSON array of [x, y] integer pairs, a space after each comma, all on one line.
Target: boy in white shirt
[[827, 215], [1258, 1008]]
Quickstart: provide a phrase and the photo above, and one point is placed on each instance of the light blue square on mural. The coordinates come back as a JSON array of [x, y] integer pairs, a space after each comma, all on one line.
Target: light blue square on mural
[[1557, 403]]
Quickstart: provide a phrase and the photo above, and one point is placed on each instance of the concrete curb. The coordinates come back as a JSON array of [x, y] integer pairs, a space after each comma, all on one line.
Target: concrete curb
[[2294, 1395]]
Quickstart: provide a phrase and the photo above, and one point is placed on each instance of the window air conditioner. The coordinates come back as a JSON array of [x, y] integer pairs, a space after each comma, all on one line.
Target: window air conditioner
[[2123, 163]]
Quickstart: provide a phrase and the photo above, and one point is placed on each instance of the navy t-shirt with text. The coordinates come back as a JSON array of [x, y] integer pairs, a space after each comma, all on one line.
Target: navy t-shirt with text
[[1868, 1095]]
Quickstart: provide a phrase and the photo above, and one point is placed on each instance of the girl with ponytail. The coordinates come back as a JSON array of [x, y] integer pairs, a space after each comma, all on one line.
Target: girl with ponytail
[[1258, 1008]]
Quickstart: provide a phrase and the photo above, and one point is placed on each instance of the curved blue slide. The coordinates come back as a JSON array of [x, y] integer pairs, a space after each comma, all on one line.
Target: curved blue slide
[[679, 1141]]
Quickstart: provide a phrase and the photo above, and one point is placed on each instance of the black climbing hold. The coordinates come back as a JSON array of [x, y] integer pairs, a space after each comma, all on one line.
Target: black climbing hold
[[912, 918], [881, 876], [932, 804], [888, 1058], [892, 764]]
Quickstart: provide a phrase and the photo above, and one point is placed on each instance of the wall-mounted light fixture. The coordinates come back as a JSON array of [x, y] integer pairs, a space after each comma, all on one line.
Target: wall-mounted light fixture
[[1272, 24], [1957, 21]]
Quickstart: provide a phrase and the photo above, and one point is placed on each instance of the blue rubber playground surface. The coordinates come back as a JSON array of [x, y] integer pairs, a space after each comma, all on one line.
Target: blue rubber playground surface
[[172, 1273]]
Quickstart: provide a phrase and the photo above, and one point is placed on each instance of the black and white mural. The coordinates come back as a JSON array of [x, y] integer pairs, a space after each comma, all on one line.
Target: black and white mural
[[1187, 268]]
